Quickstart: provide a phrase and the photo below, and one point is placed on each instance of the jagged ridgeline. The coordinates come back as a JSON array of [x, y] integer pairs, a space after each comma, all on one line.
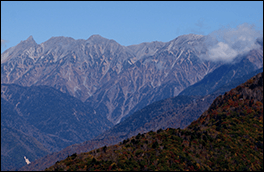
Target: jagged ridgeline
[[228, 136]]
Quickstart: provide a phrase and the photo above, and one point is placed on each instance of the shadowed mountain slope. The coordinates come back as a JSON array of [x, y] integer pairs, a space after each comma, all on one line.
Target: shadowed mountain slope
[[15, 144], [226, 73], [47, 116]]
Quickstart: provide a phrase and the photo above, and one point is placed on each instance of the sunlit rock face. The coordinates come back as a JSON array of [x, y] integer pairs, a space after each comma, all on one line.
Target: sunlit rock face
[[116, 80]]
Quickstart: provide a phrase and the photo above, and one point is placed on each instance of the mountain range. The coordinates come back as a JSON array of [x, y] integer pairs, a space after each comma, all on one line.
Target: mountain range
[[65, 91], [111, 77]]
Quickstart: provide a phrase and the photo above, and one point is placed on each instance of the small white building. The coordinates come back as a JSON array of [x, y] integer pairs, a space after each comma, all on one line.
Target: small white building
[[27, 161]]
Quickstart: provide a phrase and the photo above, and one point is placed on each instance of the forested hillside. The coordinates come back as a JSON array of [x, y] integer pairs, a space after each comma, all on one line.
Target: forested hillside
[[228, 136]]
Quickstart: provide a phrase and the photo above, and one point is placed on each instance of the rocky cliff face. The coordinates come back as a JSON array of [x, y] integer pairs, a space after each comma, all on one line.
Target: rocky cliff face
[[114, 79]]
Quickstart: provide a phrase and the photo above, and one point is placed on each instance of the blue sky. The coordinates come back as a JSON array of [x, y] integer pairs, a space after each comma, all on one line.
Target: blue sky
[[126, 22]]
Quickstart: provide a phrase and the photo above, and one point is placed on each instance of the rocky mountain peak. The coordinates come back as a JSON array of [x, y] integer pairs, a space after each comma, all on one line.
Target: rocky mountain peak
[[18, 49], [28, 42], [183, 39], [98, 39], [95, 38], [30, 38], [58, 40]]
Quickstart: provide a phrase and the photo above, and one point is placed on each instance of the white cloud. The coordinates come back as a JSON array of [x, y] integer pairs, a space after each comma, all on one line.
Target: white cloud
[[222, 51], [225, 44]]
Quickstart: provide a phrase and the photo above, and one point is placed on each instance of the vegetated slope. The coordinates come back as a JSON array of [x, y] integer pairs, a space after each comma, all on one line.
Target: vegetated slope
[[15, 144], [176, 112], [141, 121], [55, 113], [228, 136], [51, 119]]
